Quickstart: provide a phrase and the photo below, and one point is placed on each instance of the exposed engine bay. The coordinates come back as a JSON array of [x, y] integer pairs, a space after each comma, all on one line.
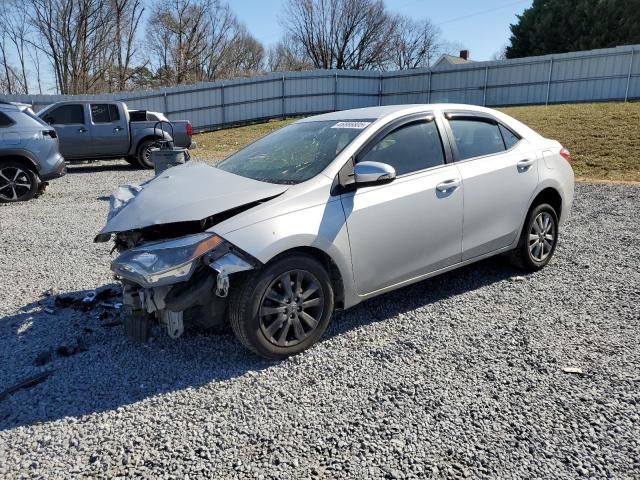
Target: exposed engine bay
[[177, 272]]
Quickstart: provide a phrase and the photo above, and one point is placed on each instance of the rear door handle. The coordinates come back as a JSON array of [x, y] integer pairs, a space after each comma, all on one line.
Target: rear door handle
[[118, 129], [447, 185], [526, 163], [82, 130]]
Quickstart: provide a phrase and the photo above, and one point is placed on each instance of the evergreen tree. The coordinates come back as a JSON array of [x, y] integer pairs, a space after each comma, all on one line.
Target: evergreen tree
[[557, 26]]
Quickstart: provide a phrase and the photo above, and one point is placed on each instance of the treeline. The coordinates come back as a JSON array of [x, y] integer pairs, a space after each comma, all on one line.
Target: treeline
[[94, 46], [558, 26]]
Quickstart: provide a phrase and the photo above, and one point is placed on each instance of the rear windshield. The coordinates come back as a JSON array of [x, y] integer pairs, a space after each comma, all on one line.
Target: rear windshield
[[294, 153]]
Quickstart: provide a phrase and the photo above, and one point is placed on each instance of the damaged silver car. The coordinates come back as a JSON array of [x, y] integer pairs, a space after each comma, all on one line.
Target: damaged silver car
[[330, 211]]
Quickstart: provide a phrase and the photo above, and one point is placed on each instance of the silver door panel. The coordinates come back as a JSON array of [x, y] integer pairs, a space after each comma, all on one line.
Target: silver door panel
[[403, 229]]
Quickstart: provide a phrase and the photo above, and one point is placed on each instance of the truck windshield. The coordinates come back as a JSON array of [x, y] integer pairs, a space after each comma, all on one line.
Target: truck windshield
[[294, 153]]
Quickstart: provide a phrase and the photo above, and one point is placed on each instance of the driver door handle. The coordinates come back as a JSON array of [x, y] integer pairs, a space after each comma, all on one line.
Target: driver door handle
[[82, 130], [447, 185], [118, 129]]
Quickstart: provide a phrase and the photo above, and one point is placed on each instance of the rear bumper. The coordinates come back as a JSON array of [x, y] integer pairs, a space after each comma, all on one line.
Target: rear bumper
[[57, 170]]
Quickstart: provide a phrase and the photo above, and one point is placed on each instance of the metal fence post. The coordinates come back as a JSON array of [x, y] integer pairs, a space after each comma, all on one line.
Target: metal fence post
[[166, 103], [429, 89], [335, 92], [380, 89], [222, 103], [284, 109], [626, 92], [546, 102], [484, 91]]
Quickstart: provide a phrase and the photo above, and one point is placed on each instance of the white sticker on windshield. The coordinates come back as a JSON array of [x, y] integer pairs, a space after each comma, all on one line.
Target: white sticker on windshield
[[355, 125]]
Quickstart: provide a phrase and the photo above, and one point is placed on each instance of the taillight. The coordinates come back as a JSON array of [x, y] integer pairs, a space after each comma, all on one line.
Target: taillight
[[189, 130], [564, 153]]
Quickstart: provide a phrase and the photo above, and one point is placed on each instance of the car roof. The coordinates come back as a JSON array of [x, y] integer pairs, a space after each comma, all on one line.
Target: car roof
[[395, 111], [376, 113], [12, 106]]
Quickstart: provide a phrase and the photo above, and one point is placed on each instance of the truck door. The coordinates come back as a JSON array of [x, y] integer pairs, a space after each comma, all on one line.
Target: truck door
[[70, 123], [109, 130]]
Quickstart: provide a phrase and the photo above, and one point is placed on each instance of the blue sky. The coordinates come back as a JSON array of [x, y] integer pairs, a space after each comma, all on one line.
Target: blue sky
[[482, 26]]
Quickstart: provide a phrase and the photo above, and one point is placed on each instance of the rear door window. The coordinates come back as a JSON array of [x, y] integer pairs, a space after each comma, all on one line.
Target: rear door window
[[510, 138], [410, 148], [66, 115], [475, 138], [104, 113]]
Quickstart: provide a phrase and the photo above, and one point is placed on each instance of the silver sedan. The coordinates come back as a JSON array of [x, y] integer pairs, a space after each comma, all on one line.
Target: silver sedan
[[330, 211]]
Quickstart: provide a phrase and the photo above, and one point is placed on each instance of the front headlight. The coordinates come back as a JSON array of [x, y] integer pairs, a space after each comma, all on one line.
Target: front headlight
[[165, 262]]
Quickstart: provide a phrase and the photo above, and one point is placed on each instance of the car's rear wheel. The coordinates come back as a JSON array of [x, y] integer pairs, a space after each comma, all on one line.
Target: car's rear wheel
[[17, 182], [538, 239], [144, 153], [283, 308]]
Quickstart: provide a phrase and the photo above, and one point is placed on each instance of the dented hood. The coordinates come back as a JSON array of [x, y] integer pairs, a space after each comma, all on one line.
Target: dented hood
[[191, 192]]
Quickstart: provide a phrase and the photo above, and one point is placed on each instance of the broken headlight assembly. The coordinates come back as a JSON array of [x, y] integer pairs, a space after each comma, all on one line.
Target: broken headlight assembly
[[164, 262]]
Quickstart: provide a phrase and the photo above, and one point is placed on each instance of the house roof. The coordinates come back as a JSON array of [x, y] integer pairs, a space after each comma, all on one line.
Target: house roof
[[450, 60]]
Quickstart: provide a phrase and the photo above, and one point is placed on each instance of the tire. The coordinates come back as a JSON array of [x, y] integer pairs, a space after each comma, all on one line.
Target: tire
[[18, 183], [289, 327], [538, 239], [144, 153]]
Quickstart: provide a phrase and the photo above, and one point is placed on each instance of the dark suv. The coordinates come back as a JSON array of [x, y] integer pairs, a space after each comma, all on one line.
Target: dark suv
[[29, 154]]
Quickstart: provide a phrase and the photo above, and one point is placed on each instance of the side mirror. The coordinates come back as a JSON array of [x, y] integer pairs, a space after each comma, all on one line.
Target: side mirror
[[373, 173]]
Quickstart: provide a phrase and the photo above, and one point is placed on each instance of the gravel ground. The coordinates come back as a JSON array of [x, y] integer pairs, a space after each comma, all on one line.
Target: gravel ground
[[458, 376]]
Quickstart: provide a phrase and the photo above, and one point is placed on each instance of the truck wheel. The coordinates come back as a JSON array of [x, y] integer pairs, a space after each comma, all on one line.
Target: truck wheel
[[144, 153], [283, 308], [17, 182]]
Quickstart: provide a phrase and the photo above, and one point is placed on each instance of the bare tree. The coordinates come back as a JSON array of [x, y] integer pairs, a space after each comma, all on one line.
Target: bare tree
[[500, 54], [243, 56], [344, 34], [200, 40], [414, 44], [224, 30], [76, 36], [126, 16], [15, 37], [179, 36], [288, 55]]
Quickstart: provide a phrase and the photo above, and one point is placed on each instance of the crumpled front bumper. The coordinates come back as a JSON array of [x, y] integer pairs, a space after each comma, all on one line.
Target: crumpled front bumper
[[204, 292]]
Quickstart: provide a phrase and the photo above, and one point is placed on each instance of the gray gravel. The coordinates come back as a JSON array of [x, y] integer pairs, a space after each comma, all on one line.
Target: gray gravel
[[458, 376]]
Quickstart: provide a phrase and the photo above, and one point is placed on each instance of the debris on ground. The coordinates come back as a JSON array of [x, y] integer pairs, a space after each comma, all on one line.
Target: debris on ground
[[43, 358], [105, 297], [114, 305], [67, 351], [89, 298], [577, 370], [28, 382]]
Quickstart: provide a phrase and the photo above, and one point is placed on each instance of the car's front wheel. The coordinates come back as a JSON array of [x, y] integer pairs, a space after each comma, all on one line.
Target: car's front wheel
[[17, 182], [538, 239], [283, 308]]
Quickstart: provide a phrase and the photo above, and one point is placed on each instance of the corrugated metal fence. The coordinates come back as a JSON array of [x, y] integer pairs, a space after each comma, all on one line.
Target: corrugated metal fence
[[595, 75]]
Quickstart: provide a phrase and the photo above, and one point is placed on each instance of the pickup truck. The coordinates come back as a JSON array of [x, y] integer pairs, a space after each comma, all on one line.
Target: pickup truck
[[98, 130]]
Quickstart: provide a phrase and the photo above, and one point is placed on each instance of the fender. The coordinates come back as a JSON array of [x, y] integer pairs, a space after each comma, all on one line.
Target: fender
[[25, 154]]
